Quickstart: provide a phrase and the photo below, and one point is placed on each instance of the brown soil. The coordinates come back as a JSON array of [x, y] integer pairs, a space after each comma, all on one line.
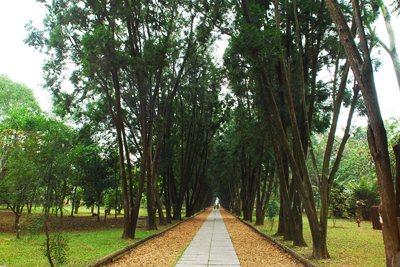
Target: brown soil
[[251, 248], [69, 223], [166, 249]]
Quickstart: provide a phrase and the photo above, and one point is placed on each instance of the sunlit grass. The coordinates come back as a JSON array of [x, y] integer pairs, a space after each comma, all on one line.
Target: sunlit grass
[[85, 246], [348, 245]]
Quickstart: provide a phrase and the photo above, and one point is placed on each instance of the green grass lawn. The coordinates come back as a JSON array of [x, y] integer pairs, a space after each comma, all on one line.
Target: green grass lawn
[[348, 245], [85, 246]]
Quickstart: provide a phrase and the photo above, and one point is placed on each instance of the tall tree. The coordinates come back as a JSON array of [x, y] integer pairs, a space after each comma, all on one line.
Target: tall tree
[[391, 48], [127, 55], [360, 62]]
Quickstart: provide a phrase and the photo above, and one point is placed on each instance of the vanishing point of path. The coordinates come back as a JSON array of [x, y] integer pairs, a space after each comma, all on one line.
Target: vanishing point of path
[[212, 238]]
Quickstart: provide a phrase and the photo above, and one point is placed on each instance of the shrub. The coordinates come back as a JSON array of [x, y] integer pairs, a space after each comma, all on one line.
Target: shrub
[[272, 211], [365, 194], [338, 200], [58, 249]]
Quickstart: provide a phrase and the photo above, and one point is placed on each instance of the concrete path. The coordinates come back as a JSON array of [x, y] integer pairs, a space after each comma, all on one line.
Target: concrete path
[[211, 246]]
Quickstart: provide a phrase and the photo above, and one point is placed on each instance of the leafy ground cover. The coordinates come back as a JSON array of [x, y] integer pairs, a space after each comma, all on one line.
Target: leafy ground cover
[[252, 249], [88, 240], [348, 245]]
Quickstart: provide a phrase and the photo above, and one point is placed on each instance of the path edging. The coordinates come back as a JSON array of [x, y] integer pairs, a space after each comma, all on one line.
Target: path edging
[[286, 249], [116, 255]]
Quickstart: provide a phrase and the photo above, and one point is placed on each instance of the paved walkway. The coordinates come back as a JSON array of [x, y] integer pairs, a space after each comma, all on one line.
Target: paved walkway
[[211, 246]]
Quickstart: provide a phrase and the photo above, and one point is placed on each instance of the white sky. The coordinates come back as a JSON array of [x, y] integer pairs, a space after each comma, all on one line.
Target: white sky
[[19, 61], [23, 64]]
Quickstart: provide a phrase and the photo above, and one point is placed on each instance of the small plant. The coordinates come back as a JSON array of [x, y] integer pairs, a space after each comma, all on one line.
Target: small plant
[[33, 224], [272, 211], [365, 193], [57, 249], [338, 202]]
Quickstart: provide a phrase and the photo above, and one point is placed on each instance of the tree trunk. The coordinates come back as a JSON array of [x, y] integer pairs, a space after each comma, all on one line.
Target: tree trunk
[[98, 212], [73, 201], [151, 209], [17, 212], [116, 199], [377, 139], [167, 199], [48, 249], [396, 150], [291, 229], [161, 217], [260, 212], [392, 51], [129, 229], [177, 215], [142, 178]]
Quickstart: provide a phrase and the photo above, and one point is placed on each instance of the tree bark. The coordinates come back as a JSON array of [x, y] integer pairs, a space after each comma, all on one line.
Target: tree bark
[[396, 150], [377, 139]]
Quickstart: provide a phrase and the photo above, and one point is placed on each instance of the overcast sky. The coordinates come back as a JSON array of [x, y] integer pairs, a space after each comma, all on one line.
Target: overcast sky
[[23, 64]]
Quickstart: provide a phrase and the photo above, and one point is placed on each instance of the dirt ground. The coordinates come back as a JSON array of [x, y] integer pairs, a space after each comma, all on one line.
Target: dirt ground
[[70, 223]]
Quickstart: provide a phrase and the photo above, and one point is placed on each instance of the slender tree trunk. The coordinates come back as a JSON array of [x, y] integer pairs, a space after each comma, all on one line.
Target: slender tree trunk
[[161, 216], [116, 198], [48, 250], [129, 228], [176, 206], [73, 201], [396, 150], [391, 49], [98, 212], [142, 177], [259, 200], [151, 209], [167, 199], [377, 139]]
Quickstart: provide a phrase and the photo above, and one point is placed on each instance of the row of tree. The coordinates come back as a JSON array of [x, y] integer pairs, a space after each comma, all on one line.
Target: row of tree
[[143, 74], [275, 54], [44, 161]]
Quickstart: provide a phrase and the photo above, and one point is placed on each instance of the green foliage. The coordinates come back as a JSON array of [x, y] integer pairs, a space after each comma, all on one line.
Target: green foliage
[[272, 211], [396, 6], [13, 94], [348, 244], [84, 246], [33, 224], [339, 201], [365, 193], [58, 249], [357, 162]]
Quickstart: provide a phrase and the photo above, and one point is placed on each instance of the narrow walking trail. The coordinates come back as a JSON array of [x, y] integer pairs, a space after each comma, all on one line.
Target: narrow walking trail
[[165, 249], [211, 246], [212, 238]]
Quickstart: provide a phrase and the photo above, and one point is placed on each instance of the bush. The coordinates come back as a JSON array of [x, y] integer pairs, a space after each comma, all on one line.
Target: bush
[[272, 211], [364, 195], [33, 224], [58, 249], [338, 200]]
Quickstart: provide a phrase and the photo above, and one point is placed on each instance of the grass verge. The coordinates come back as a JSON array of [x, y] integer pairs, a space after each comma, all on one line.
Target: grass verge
[[92, 241], [348, 245]]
